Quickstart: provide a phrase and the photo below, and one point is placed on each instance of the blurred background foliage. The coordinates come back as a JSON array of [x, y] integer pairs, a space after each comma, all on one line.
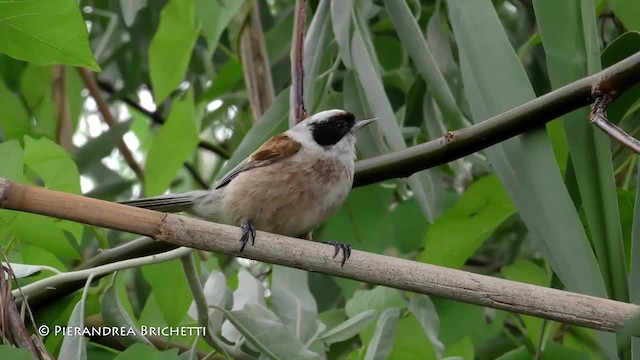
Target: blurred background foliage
[[194, 86]]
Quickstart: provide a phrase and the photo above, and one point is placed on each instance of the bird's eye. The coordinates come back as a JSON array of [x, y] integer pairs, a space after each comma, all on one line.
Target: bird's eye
[[340, 124]]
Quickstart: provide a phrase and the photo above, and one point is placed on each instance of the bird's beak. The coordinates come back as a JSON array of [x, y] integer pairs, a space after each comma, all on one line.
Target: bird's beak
[[360, 123]]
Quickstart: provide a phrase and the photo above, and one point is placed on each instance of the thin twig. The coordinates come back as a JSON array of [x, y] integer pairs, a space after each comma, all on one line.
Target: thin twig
[[598, 118], [107, 117], [255, 64], [553, 304], [64, 131], [298, 112], [156, 118]]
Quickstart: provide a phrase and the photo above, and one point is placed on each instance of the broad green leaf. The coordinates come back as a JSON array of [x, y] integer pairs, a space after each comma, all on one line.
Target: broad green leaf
[[628, 12], [272, 122], [425, 312], [170, 289], [527, 272], [382, 341], [314, 49], [35, 84], [624, 46], [341, 23], [380, 107], [172, 146], [457, 234], [411, 340], [495, 82], [141, 351], [170, 49], [268, 334], [23, 270], [250, 291], [52, 164], [293, 302], [100, 146], [14, 120], [569, 37], [114, 315], [130, 9], [214, 17], [73, 346], [45, 32], [10, 352], [379, 299], [411, 35], [216, 293], [349, 328], [228, 76], [11, 167], [36, 255], [44, 232]]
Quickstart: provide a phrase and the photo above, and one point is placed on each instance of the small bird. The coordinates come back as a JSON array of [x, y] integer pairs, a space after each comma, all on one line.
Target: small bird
[[291, 184]]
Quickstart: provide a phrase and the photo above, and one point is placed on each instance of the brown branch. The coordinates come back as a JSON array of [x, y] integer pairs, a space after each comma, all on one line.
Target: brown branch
[[598, 118], [107, 117], [64, 132], [552, 304], [298, 112], [255, 64]]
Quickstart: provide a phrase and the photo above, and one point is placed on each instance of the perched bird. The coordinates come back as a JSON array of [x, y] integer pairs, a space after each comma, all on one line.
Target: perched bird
[[294, 182]]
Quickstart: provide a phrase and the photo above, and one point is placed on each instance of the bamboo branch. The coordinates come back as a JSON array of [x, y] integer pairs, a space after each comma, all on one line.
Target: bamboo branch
[[64, 132], [459, 143], [552, 304], [298, 112], [107, 117], [255, 64]]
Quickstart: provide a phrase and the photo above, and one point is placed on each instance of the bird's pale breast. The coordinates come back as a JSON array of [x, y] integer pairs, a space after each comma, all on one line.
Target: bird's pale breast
[[290, 197]]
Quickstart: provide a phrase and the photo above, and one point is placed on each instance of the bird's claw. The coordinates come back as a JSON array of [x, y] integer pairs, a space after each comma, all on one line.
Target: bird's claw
[[248, 232], [346, 250]]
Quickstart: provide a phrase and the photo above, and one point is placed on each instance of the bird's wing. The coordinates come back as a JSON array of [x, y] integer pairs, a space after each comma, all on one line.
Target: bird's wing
[[275, 149]]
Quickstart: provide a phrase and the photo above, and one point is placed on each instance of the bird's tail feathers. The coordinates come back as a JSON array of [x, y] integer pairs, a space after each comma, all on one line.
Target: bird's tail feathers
[[168, 202]]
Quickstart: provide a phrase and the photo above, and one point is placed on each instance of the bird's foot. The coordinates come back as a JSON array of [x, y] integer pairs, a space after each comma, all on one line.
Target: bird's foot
[[346, 250], [248, 232]]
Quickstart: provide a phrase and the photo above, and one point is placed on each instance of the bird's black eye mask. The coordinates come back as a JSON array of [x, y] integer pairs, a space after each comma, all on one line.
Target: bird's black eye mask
[[332, 130]]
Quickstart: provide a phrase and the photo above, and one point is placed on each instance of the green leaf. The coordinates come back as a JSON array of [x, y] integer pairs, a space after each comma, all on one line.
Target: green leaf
[[14, 120], [52, 164], [622, 47], [140, 351], [35, 84], [410, 340], [45, 32], [228, 76], [459, 321], [100, 146], [411, 35], [43, 232], [570, 40], [23, 270], [349, 328], [73, 346], [314, 49], [628, 12], [293, 302], [425, 312], [272, 122], [214, 17], [10, 352], [380, 106], [527, 272], [456, 235], [384, 335], [216, 293], [341, 23], [114, 315], [12, 160], [250, 291], [634, 276], [170, 289], [172, 146], [496, 82], [170, 48], [263, 329]]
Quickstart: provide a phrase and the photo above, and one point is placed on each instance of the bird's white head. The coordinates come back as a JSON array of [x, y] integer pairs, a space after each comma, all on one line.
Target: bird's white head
[[330, 131]]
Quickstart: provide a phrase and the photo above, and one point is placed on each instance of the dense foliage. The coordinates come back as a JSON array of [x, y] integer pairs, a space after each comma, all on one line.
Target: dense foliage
[[554, 207]]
